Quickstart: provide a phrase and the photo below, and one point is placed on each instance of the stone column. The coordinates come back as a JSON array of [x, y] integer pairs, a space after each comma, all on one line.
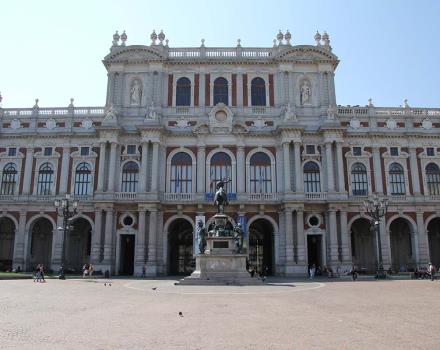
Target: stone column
[[240, 90], [340, 165], [96, 238], [289, 236], [101, 169], [377, 170], [58, 245], [414, 171], [202, 90], [241, 188], [64, 170], [301, 245], [286, 155], [140, 244], [155, 167], [143, 174], [108, 240], [201, 156], [299, 182], [423, 240], [386, 244], [279, 167], [329, 166], [345, 239], [112, 167], [334, 254], [152, 239], [19, 242], [28, 171]]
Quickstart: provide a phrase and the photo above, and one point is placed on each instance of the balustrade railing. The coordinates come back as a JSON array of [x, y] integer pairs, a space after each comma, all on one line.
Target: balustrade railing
[[125, 195], [316, 196], [179, 197]]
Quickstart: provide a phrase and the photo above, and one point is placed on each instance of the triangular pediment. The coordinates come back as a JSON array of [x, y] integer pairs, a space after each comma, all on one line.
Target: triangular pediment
[[134, 53], [306, 53]]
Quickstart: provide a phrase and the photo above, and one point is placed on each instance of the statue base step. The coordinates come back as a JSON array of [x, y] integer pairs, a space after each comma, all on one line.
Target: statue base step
[[220, 269]]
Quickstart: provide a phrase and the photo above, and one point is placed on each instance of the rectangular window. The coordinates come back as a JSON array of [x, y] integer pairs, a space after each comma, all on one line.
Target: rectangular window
[[84, 151], [310, 149], [430, 151], [357, 151], [12, 152], [47, 151], [394, 151], [131, 149]]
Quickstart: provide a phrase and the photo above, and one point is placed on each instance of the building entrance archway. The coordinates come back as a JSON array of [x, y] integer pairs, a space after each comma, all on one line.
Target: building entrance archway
[[180, 247], [401, 245], [7, 237], [363, 243], [434, 241], [261, 245], [41, 243], [78, 244]]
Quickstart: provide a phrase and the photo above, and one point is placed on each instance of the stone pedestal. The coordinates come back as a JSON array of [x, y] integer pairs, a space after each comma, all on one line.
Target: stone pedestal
[[220, 265]]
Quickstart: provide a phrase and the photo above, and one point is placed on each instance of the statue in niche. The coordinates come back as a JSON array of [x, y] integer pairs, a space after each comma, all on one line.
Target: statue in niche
[[305, 93], [111, 114], [136, 93], [152, 113]]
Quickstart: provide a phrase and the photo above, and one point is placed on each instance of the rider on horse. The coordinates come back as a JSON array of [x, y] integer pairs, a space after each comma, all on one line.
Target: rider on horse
[[221, 197]]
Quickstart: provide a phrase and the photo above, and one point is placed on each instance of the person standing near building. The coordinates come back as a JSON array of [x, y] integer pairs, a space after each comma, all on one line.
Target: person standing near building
[[432, 271], [312, 271]]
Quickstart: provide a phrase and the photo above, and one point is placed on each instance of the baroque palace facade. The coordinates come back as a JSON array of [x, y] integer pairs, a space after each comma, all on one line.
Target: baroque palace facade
[[176, 120]]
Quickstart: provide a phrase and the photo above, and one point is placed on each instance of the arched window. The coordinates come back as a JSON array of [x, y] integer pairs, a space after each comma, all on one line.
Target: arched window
[[9, 179], [183, 92], [83, 179], [359, 180], [221, 167], [260, 173], [45, 179], [433, 178], [181, 173], [220, 91], [130, 177], [397, 179], [258, 92], [312, 177]]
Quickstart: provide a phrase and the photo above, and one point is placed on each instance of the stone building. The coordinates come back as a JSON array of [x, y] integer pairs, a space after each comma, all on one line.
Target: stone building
[[176, 120]]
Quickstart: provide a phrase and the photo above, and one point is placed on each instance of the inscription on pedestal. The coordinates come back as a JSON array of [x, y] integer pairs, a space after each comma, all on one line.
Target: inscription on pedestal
[[220, 244]]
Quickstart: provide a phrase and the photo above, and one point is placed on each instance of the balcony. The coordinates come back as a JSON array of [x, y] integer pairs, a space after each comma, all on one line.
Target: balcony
[[125, 195], [320, 196], [209, 197], [398, 198], [179, 197], [261, 197]]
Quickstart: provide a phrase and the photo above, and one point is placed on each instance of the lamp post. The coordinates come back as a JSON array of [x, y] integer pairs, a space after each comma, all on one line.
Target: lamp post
[[63, 209], [377, 208]]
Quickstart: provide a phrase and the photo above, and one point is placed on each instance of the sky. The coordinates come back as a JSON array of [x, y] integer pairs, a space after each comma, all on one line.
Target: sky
[[52, 50]]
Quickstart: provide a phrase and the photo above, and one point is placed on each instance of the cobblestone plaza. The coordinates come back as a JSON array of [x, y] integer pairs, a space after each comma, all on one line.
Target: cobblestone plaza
[[144, 314]]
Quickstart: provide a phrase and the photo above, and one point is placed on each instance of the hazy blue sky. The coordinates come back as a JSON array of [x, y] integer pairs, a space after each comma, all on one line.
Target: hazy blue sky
[[389, 50]]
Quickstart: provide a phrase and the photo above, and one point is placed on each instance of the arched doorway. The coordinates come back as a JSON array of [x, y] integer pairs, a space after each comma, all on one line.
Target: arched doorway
[[78, 244], [363, 245], [261, 245], [41, 243], [434, 241], [7, 236], [180, 247], [401, 247]]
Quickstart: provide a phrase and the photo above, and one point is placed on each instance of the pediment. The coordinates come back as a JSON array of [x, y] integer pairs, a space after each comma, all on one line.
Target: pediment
[[139, 53], [307, 53]]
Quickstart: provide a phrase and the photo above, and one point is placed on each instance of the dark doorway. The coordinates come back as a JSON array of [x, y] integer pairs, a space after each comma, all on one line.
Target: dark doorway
[[261, 245], [180, 248], [41, 243], [434, 241], [126, 262], [78, 245], [363, 245], [401, 245], [7, 235], [314, 250]]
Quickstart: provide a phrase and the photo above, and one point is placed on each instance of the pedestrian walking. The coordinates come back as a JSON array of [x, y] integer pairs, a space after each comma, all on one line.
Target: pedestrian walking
[[85, 270], [42, 273], [354, 274], [312, 271], [432, 270], [143, 271], [37, 276], [90, 270]]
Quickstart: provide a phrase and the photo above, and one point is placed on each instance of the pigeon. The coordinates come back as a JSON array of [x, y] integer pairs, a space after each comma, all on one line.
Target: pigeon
[[180, 314], [154, 288], [105, 284]]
